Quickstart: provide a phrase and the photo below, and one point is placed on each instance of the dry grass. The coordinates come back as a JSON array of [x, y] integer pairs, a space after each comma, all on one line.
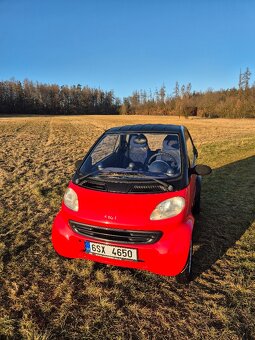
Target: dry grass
[[43, 296]]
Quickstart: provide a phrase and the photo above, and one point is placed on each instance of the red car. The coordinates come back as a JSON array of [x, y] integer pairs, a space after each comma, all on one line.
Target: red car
[[132, 200]]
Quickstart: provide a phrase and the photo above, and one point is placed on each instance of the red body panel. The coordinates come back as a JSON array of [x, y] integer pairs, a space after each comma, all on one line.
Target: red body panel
[[167, 256]]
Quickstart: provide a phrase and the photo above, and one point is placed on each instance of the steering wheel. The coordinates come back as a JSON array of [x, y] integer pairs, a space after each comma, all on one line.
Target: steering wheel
[[171, 160]]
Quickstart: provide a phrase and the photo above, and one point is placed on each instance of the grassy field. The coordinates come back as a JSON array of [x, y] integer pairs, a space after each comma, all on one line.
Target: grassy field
[[43, 296]]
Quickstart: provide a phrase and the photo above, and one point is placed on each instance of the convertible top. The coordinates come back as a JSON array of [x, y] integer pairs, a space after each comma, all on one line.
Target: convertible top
[[142, 128]]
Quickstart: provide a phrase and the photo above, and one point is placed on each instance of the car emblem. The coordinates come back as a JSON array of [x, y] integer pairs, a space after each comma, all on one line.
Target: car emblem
[[110, 217]]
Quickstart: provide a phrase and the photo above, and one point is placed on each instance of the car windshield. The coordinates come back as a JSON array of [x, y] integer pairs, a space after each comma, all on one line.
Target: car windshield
[[134, 155]]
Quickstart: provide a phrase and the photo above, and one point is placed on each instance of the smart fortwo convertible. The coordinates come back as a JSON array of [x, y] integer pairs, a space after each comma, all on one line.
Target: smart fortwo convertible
[[132, 201]]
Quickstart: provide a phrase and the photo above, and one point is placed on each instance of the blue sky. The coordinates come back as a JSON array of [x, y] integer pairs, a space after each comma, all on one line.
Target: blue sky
[[127, 44]]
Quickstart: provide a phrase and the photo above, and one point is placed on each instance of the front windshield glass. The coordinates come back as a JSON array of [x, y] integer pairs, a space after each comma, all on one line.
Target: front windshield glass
[[134, 155]]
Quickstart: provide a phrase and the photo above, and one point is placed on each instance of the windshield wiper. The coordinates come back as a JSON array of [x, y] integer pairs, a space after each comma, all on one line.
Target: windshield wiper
[[167, 186], [79, 180]]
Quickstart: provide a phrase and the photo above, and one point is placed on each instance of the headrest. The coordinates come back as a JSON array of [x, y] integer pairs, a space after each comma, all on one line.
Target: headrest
[[170, 142], [138, 141]]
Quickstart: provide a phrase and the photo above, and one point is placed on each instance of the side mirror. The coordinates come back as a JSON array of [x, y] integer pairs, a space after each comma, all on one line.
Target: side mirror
[[78, 163], [201, 170]]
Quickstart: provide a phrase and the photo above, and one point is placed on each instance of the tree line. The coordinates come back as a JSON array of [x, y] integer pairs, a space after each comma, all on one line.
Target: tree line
[[29, 97], [235, 102]]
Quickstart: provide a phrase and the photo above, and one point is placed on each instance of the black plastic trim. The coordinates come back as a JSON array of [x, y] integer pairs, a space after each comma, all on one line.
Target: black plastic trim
[[116, 235]]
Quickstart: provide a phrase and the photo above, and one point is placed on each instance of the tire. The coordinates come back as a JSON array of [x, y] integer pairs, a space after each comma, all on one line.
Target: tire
[[197, 199], [186, 275]]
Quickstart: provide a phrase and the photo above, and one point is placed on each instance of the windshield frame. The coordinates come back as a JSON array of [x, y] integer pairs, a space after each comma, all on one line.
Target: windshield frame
[[133, 177]]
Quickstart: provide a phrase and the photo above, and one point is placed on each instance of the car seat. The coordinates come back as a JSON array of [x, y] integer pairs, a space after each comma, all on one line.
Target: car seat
[[138, 149]]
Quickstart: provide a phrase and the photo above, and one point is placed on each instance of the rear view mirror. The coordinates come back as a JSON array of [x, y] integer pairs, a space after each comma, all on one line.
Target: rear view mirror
[[78, 163], [201, 170]]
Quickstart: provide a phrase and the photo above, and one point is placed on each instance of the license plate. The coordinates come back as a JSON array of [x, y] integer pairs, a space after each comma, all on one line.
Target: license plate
[[111, 251]]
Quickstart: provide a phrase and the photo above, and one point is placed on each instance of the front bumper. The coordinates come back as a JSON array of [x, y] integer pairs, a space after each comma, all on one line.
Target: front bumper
[[167, 256]]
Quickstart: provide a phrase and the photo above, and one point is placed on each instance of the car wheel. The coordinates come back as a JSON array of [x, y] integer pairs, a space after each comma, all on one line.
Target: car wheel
[[196, 206], [186, 275]]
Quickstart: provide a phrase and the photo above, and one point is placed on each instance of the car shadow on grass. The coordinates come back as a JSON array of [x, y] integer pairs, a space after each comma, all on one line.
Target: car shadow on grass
[[228, 209]]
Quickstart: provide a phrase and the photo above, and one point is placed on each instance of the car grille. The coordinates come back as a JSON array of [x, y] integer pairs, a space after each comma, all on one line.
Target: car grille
[[116, 235]]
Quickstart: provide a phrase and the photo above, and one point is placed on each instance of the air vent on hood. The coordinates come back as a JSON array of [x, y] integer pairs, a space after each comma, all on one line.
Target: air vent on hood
[[148, 188]]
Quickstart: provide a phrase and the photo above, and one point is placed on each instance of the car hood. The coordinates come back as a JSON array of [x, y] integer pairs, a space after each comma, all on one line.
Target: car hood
[[119, 210]]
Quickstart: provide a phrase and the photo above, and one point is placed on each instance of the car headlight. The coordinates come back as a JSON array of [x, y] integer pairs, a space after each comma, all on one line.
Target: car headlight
[[71, 199], [168, 208]]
